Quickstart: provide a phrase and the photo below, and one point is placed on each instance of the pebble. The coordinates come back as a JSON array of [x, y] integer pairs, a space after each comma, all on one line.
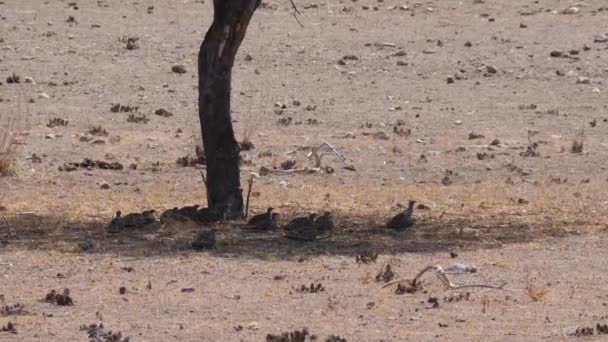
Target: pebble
[[571, 10], [600, 38], [583, 80]]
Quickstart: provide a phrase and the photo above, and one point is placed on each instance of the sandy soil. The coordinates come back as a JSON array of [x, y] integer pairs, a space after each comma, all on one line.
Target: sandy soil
[[469, 107]]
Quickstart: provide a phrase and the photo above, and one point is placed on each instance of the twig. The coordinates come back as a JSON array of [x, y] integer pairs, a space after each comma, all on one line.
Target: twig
[[442, 275], [250, 182], [296, 12]]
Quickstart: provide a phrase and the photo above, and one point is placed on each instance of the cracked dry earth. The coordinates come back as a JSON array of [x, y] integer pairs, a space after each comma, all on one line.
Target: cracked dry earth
[[492, 115]]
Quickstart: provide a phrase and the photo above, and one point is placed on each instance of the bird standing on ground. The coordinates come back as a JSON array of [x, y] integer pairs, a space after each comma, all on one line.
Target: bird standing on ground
[[263, 222], [324, 224], [404, 219], [117, 224]]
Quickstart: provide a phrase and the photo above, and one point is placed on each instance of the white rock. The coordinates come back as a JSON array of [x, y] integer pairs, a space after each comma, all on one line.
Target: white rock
[[583, 80], [571, 10]]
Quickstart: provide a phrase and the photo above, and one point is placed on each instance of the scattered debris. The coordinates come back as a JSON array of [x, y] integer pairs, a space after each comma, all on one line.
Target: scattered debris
[[131, 43], [97, 333], [366, 257], [9, 327], [118, 108], [294, 336], [55, 122], [385, 275], [90, 164], [13, 79], [163, 112], [61, 299], [98, 131], [135, 118], [577, 144], [311, 289], [12, 309]]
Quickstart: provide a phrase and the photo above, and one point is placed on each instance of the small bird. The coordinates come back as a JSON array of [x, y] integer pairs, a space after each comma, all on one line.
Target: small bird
[[263, 222], [324, 223], [117, 224], [403, 220], [183, 214], [138, 220], [205, 239], [302, 228]]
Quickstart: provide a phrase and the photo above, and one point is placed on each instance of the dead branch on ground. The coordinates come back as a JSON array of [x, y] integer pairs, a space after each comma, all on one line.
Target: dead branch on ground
[[442, 274]]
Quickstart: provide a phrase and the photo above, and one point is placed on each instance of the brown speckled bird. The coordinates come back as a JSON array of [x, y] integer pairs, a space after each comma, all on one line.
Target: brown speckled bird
[[263, 222], [403, 220], [324, 223], [302, 228]]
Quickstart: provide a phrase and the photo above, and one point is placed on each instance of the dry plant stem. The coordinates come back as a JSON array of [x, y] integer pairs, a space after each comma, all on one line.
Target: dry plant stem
[[250, 182], [296, 12], [442, 275]]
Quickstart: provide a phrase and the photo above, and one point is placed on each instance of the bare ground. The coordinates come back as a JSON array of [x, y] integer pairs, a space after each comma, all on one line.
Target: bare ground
[[414, 98]]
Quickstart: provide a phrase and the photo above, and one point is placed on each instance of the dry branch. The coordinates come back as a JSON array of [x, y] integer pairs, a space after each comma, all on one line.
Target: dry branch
[[442, 274]]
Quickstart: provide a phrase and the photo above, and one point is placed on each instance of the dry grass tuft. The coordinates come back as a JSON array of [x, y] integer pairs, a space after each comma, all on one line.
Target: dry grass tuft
[[535, 293], [577, 144]]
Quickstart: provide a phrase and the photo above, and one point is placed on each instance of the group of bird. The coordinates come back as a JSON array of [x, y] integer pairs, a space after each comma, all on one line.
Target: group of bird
[[307, 228], [314, 227]]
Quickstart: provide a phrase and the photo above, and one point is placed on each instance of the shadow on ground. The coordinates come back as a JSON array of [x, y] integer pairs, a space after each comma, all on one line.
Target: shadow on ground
[[353, 236]]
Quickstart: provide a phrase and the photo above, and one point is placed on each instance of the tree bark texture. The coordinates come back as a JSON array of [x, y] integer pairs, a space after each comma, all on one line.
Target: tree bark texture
[[215, 61]]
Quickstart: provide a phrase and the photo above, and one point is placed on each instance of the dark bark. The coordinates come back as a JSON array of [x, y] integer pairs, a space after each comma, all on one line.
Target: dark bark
[[215, 60]]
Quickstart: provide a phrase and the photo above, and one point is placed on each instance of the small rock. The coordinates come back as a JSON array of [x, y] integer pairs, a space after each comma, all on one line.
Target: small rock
[[556, 53], [583, 80], [571, 10], [600, 38], [491, 69], [178, 69]]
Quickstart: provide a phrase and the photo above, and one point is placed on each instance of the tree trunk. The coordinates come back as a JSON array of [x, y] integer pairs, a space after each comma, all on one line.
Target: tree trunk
[[215, 60]]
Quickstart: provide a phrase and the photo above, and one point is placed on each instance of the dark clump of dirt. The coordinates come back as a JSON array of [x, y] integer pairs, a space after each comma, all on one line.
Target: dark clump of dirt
[[246, 145], [9, 327], [14, 78], [293, 336], [135, 118], [131, 43], [408, 286], [54, 122], [118, 108], [178, 69], [12, 309], [97, 333], [90, 164], [334, 338], [98, 131], [366, 257], [189, 160], [311, 289], [163, 112], [385, 275], [61, 299]]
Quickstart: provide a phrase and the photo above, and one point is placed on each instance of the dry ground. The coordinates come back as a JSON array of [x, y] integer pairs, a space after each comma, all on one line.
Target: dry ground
[[367, 77]]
